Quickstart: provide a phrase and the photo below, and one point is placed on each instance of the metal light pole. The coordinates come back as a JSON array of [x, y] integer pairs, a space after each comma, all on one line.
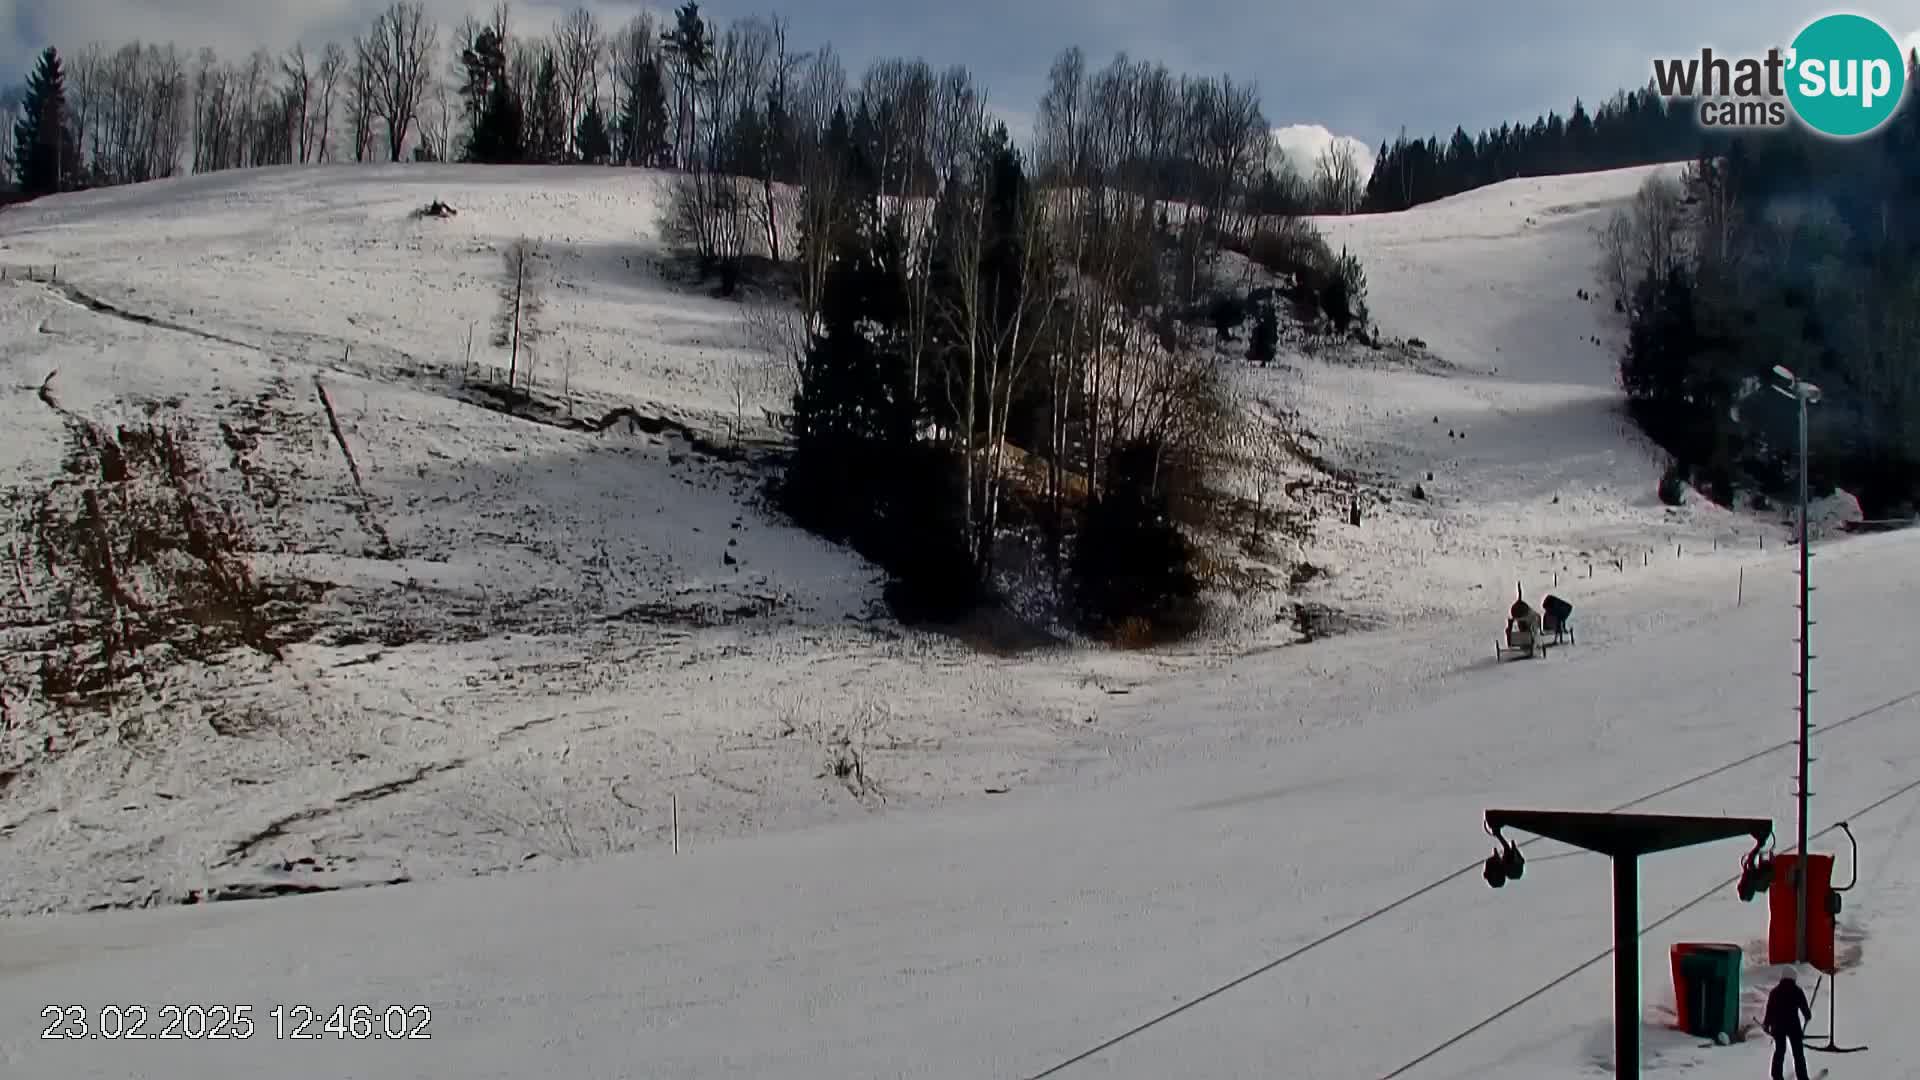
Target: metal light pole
[[1803, 393]]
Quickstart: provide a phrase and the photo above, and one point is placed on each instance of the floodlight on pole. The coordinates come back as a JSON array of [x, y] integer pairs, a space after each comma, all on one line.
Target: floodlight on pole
[[1803, 394]]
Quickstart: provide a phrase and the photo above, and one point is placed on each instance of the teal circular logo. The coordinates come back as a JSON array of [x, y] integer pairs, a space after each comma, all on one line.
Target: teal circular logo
[[1846, 75]]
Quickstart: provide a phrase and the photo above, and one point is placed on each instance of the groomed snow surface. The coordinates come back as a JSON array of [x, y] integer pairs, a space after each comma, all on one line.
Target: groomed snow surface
[[540, 647]]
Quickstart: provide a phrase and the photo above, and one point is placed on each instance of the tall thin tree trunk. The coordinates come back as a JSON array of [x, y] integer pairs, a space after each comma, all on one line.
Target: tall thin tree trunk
[[773, 216], [519, 291]]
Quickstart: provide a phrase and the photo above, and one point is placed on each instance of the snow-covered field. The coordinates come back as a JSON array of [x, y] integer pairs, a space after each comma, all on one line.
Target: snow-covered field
[[527, 644]]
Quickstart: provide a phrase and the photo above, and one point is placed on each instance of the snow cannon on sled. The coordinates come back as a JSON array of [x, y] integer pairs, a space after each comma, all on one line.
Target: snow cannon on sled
[[1530, 632]]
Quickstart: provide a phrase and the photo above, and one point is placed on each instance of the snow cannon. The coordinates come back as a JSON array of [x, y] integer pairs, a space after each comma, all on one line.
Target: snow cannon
[[1823, 906], [1555, 614], [1523, 632]]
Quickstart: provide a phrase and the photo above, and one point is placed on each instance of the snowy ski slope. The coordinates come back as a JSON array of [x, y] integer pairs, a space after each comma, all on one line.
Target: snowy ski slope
[[550, 643], [1001, 939]]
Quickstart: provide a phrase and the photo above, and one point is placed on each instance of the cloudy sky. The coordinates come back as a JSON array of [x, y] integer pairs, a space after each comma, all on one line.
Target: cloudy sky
[[1355, 68]]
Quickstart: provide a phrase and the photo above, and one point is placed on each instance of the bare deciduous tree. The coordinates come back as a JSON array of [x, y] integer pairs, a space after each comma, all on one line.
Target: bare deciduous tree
[[262, 114], [821, 218], [707, 215], [581, 48], [1018, 337], [634, 54], [735, 84], [517, 325], [688, 48], [819, 89], [472, 93], [135, 103], [362, 101], [86, 80], [524, 56], [399, 51], [1266, 454], [946, 136], [1337, 180], [994, 326], [437, 122], [1618, 266], [1658, 228], [964, 316], [1061, 129], [780, 333], [299, 90], [1228, 137], [1644, 239], [781, 136], [9, 116], [898, 97], [747, 379]]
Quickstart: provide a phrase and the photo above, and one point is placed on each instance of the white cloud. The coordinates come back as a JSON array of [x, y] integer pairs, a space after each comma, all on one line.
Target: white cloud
[[1304, 143], [232, 27]]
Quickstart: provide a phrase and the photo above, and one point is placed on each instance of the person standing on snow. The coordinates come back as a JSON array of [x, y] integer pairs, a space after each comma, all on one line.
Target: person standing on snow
[[1787, 1009]]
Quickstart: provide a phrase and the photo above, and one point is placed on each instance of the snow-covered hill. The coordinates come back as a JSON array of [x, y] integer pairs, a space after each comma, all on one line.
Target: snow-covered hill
[[528, 640], [1511, 427], [518, 641]]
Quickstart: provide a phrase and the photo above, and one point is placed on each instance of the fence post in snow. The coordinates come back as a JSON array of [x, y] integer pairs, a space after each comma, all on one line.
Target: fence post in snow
[[1676, 551], [1740, 597], [676, 823]]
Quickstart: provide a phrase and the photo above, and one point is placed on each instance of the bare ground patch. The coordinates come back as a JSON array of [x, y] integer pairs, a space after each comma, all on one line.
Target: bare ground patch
[[130, 563]]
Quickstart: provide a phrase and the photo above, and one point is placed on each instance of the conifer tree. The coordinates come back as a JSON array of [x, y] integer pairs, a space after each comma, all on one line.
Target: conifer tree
[[497, 138], [591, 137], [643, 121], [547, 116], [485, 63], [46, 156], [689, 49]]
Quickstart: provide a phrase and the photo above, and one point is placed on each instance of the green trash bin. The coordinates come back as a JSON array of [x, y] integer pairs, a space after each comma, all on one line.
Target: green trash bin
[[1711, 974]]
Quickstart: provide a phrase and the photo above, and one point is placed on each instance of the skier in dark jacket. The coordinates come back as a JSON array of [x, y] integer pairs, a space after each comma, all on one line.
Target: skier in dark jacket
[[1787, 1009]]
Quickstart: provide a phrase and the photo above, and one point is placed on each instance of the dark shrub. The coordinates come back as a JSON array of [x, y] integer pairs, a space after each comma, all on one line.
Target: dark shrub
[[1133, 568]]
